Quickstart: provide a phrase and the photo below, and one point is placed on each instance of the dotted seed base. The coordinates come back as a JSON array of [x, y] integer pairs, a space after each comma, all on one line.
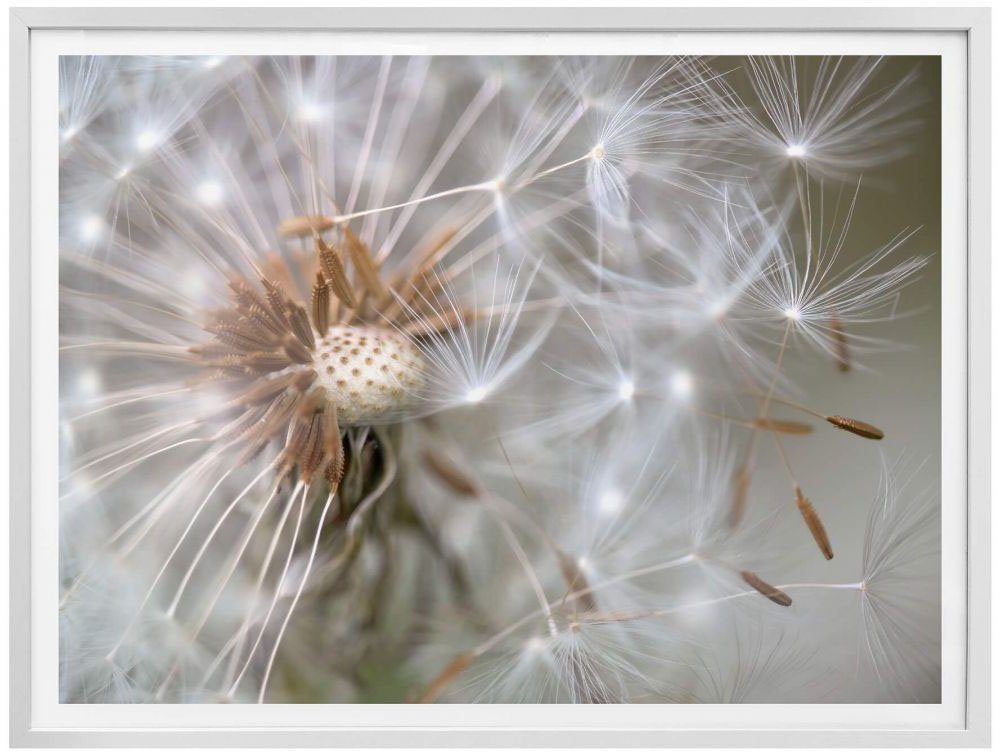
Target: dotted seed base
[[367, 371]]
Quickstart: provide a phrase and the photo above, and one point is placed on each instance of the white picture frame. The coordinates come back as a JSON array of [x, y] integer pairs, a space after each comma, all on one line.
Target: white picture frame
[[33, 721]]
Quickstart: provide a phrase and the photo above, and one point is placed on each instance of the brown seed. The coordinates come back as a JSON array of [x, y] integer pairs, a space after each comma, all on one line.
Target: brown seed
[[814, 523], [331, 432], [305, 225], [576, 581], [311, 456], [446, 677], [741, 489], [311, 403], [276, 301], [298, 436], [841, 351], [334, 472], [298, 320], [448, 474], [266, 361], [242, 336], [303, 380], [857, 427], [364, 263], [766, 589], [783, 426], [333, 271], [266, 389], [296, 350]]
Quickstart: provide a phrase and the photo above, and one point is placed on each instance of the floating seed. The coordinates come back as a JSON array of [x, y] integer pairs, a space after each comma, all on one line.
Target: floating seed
[[857, 427], [766, 589], [814, 523]]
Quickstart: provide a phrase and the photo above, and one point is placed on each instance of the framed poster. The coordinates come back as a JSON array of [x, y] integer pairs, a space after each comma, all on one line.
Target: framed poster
[[442, 377]]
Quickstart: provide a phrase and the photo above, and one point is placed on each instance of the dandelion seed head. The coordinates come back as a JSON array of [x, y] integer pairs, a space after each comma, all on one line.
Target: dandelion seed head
[[556, 247]]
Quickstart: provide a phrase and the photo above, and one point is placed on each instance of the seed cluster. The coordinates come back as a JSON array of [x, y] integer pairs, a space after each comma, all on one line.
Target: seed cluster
[[367, 372], [303, 372]]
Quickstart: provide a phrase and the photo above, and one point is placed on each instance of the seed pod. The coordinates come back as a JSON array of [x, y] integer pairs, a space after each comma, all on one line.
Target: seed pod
[[766, 589], [814, 523], [857, 427]]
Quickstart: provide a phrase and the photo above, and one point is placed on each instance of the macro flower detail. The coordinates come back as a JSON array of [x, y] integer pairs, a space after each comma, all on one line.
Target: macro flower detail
[[496, 379]]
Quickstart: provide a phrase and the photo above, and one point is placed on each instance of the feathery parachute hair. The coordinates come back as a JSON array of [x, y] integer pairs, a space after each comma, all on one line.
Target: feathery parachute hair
[[401, 379]]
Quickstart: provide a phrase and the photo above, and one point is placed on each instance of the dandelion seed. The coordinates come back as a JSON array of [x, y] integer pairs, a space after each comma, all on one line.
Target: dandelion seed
[[450, 475], [768, 591], [842, 349], [857, 427], [813, 522]]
